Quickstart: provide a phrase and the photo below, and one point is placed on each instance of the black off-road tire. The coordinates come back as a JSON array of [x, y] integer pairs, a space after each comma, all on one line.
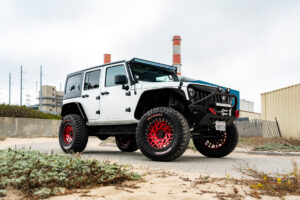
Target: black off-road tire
[[126, 143], [180, 137], [229, 145], [79, 132]]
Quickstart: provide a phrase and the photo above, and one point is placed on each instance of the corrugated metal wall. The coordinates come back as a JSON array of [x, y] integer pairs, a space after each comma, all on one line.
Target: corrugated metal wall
[[284, 104]]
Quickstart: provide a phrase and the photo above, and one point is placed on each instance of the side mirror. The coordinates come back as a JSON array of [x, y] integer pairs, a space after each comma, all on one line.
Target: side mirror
[[120, 80]]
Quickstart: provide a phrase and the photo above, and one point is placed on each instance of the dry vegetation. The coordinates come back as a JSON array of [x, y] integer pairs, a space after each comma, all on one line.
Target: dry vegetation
[[269, 144], [276, 184], [40, 175], [24, 112]]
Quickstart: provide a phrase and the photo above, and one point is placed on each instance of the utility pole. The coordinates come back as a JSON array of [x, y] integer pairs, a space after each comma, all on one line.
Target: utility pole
[[41, 75], [21, 81], [36, 88], [9, 90]]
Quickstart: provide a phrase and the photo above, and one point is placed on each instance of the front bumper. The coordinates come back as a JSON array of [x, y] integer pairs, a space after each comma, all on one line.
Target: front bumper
[[207, 106]]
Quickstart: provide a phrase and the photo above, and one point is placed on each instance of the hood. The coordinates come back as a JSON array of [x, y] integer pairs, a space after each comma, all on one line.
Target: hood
[[154, 85]]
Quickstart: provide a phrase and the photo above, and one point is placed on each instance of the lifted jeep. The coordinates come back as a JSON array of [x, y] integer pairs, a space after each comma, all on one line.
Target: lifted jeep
[[145, 106]]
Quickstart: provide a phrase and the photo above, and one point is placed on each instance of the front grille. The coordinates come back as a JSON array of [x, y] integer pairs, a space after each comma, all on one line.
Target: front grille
[[217, 98], [201, 95]]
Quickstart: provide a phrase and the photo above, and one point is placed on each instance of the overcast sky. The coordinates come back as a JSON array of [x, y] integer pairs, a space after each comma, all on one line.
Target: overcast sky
[[251, 46]]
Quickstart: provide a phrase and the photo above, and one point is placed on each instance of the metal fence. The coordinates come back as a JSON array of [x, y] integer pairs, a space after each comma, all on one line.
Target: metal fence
[[257, 127]]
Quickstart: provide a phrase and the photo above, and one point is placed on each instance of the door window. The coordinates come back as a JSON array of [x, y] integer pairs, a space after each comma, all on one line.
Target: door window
[[92, 80], [111, 72]]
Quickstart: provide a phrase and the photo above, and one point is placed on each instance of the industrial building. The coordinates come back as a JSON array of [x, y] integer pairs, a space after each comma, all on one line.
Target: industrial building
[[51, 99], [247, 110], [283, 105], [246, 105]]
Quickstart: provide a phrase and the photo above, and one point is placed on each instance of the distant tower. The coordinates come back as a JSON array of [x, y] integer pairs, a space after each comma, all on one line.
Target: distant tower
[[107, 58], [177, 53]]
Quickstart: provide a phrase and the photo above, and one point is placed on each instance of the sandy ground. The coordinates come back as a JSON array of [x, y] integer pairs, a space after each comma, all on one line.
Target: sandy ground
[[155, 184], [164, 185]]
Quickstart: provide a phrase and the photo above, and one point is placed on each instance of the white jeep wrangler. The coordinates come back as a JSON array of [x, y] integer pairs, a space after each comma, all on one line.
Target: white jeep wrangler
[[145, 106]]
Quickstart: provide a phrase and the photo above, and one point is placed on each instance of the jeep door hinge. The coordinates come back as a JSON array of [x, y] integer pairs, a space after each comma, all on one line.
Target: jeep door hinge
[[128, 93], [128, 109], [98, 112], [98, 97]]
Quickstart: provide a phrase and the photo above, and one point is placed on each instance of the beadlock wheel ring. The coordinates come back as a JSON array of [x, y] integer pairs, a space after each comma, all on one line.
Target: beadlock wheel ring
[[216, 143], [160, 133]]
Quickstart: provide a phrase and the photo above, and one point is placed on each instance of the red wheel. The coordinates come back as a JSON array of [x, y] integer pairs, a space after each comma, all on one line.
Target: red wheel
[[160, 133], [126, 143], [163, 134], [217, 144], [73, 134], [68, 134]]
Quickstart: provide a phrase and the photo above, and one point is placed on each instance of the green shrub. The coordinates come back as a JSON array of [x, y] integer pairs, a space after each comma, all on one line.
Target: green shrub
[[24, 112], [42, 175]]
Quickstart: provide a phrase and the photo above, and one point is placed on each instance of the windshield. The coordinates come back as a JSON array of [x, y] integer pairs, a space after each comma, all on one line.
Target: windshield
[[153, 74]]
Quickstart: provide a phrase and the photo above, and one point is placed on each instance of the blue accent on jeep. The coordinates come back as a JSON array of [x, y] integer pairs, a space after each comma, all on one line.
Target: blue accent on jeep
[[232, 91]]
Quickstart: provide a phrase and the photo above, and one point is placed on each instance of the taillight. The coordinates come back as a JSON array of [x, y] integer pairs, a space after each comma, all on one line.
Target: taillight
[[237, 114], [212, 111]]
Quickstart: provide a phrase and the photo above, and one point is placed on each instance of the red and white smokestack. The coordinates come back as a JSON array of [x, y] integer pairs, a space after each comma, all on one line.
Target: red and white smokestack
[[107, 58], [177, 53]]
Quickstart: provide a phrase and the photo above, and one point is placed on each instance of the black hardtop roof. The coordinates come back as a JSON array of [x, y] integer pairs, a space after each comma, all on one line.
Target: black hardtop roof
[[133, 60]]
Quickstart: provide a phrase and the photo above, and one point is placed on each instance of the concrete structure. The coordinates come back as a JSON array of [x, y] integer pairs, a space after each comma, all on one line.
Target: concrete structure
[[28, 127], [246, 105], [107, 58], [51, 99], [250, 128], [284, 105], [177, 53]]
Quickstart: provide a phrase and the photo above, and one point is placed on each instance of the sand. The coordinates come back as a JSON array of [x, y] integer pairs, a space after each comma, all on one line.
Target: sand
[[155, 184]]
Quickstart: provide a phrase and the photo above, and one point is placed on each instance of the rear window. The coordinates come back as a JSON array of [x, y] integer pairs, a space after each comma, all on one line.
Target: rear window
[[92, 80], [73, 84]]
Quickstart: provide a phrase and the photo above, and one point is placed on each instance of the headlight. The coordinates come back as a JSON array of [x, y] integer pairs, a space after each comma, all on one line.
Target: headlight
[[224, 98], [192, 92]]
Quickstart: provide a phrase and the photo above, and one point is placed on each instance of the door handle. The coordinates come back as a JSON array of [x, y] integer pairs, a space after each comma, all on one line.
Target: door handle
[[85, 96], [104, 93]]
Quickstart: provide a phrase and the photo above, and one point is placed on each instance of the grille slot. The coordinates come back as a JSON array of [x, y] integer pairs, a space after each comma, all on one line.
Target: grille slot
[[217, 98]]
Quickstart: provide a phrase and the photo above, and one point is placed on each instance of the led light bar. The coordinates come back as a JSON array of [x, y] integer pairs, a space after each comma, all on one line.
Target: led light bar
[[146, 62]]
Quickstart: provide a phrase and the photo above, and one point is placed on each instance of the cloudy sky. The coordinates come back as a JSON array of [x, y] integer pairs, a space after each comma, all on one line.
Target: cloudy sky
[[252, 45]]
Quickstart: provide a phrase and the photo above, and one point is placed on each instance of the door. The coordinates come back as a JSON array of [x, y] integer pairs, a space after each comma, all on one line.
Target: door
[[90, 96], [115, 101]]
